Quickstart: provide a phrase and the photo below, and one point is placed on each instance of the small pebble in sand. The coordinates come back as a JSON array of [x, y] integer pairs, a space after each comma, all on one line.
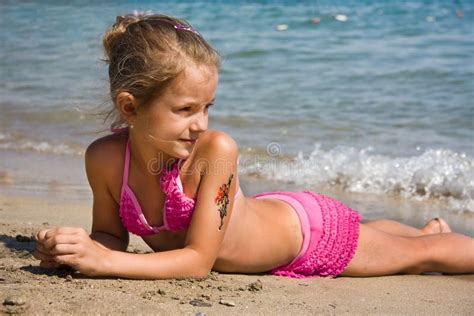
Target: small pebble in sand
[[15, 305], [227, 303], [255, 286], [69, 278], [14, 300], [199, 302], [207, 297], [147, 295], [200, 314], [161, 292]]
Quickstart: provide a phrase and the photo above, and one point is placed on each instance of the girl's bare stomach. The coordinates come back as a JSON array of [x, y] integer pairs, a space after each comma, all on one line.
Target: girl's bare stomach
[[262, 234]]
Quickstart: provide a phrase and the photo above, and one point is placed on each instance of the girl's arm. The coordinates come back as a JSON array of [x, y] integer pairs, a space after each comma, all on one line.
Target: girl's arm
[[107, 228], [207, 228]]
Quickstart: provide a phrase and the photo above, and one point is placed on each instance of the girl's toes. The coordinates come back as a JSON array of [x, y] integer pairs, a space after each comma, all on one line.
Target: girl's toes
[[444, 226], [436, 226], [432, 227]]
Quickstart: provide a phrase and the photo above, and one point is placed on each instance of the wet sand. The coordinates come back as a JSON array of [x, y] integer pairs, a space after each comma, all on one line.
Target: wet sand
[[27, 288]]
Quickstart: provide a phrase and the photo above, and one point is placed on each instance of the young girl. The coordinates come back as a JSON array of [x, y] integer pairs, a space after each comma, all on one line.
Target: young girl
[[169, 179]]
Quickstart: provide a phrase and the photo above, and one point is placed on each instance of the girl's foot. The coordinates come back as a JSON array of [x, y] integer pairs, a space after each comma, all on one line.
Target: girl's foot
[[436, 226]]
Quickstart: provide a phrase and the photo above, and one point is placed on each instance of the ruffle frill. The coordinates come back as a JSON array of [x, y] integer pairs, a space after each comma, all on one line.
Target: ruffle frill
[[132, 219], [178, 208], [337, 245]]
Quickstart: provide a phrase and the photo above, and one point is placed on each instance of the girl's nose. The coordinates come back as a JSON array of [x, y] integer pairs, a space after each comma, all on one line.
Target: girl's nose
[[200, 123]]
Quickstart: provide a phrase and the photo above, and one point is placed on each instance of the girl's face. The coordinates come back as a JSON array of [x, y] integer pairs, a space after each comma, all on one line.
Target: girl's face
[[180, 114]]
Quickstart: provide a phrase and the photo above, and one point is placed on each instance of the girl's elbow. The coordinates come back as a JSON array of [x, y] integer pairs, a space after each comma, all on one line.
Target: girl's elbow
[[202, 266], [200, 269], [201, 273]]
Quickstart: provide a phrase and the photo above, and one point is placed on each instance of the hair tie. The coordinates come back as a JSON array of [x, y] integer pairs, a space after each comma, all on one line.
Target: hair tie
[[183, 27]]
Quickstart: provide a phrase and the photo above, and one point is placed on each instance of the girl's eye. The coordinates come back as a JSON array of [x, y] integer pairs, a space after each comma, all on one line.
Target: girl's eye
[[188, 108]]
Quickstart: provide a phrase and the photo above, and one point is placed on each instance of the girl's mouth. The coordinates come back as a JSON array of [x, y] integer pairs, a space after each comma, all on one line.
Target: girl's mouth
[[188, 141]]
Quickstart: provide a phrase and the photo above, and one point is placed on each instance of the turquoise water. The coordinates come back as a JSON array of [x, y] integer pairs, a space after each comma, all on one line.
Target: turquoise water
[[381, 103]]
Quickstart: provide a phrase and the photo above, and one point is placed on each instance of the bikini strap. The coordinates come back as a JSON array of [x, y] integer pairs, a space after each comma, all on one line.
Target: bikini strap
[[237, 194], [126, 165]]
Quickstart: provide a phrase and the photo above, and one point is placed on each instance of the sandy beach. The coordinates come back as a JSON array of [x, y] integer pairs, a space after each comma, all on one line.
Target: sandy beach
[[367, 102], [27, 288]]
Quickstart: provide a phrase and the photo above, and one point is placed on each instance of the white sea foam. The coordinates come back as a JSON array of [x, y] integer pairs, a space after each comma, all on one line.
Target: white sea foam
[[435, 173], [8, 141]]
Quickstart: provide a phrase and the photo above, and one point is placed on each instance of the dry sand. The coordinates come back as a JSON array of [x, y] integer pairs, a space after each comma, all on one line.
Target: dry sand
[[26, 288]]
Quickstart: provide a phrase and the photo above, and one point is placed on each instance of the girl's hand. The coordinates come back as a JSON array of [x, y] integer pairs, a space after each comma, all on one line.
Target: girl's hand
[[42, 254], [71, 246]]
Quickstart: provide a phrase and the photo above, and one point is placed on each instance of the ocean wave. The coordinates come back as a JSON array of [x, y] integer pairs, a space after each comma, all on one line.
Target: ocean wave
[[10, 142], [433, 174]]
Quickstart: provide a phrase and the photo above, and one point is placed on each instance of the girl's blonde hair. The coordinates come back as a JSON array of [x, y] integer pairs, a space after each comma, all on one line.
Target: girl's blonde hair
[[146, 52]]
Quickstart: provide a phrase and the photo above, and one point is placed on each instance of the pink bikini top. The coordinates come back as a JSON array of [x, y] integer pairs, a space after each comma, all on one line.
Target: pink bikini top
[[178, 208]]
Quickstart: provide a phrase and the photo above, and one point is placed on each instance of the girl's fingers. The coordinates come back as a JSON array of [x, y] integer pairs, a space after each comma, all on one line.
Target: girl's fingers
[[62, 231], [68, 260], [60, 239], [41, 235], [63, 249], [42, 256], [49, 233], [42, 248]]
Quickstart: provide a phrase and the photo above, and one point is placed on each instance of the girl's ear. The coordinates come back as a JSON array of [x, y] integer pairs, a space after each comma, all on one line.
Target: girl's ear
[[127, 106]]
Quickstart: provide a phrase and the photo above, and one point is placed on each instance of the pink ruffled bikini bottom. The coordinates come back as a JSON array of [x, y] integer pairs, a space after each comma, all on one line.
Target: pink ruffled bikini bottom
[[330, 233]]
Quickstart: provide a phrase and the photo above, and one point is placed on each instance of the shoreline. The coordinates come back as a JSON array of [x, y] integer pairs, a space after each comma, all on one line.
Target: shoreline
[[63, 178], [61, 291]]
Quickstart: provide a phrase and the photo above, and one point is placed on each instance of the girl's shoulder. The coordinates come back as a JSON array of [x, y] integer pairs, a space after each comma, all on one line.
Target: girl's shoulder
[[104, 159], [108, 149], [212, 141], [213, 147], [216, 148]]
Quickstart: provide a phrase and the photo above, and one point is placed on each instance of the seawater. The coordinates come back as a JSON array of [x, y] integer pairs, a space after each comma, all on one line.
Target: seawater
[[381, 103]]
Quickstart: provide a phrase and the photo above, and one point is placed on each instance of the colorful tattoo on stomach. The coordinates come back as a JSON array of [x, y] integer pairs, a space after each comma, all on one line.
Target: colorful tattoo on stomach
[[222, 199]]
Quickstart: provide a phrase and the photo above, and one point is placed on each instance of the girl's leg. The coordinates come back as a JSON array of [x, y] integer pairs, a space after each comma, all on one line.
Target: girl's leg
[[380, 253], [434, 226]]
